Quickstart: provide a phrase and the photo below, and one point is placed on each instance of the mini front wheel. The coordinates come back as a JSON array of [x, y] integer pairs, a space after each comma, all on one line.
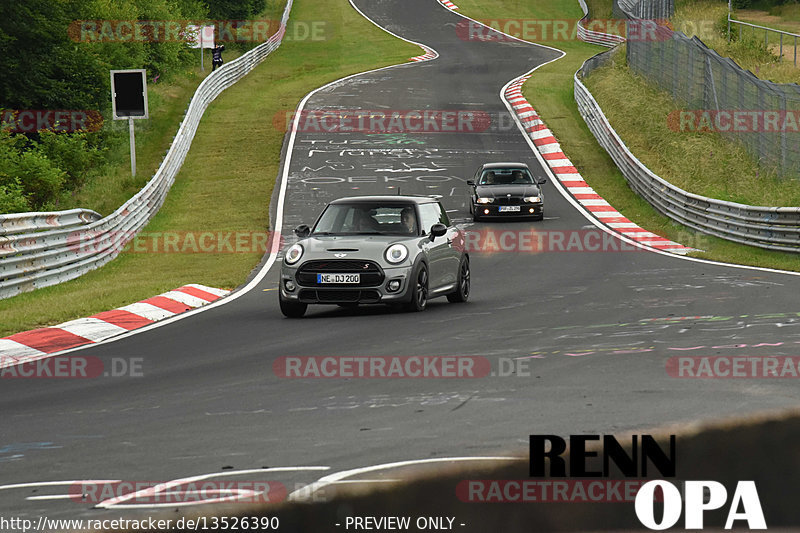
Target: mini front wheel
[[292, 309], [419, 291], [461, 294]]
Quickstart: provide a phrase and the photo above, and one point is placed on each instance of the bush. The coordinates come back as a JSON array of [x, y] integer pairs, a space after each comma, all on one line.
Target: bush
[[76, 154], [12, 199]]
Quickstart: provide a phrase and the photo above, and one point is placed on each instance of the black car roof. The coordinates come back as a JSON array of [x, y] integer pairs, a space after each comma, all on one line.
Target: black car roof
[[505, 165], [387, 199]]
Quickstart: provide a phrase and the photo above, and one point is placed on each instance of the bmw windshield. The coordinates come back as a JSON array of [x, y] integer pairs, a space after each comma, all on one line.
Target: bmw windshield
[[506, 176]]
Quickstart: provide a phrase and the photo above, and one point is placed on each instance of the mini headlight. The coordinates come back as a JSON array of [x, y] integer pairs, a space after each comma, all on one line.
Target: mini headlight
[[533, 199], [293, 254], [485, 200], [396, 253]]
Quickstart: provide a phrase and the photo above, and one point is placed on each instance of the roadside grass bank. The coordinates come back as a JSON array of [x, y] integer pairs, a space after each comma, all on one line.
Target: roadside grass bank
[[550, 91], [226, 182], [702, 163], [707, 19]]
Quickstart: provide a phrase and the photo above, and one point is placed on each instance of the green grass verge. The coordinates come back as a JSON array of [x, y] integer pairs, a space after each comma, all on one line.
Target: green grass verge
[[550, 91], [227, 179], [707, 19]]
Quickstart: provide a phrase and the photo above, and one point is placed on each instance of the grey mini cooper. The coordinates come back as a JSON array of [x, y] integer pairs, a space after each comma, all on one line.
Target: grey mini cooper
[[375, 250]]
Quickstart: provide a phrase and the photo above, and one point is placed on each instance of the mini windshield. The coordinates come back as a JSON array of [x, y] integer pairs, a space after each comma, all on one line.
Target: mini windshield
[[367, 219], [506, 176]]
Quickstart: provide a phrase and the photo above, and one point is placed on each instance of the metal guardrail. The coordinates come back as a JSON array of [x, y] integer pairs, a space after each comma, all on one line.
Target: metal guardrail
[[31, 222], [774, 228], [33, 259], [595, 37], [644, 9], [766, 35]]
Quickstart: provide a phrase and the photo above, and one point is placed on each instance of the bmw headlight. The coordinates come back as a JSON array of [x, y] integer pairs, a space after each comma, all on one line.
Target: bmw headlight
[[485, 200], [396, 253], [293, 254], [533, 199]]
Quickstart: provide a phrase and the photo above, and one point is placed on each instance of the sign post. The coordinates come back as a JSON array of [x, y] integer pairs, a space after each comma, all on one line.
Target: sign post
[[132, 136], [129, 101]]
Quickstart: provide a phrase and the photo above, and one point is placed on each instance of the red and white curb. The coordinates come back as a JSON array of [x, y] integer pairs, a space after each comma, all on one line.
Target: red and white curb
[[429, 54], [45, 342], [448, 4], [570, 178]]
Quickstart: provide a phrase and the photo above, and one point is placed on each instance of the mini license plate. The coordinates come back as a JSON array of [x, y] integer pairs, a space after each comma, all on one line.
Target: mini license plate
[[508, 208], [338, 278]]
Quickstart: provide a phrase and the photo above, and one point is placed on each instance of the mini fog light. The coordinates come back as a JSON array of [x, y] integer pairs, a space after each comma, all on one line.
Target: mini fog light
[[394, 285], [485, 211], [531, 210], [289, 285]]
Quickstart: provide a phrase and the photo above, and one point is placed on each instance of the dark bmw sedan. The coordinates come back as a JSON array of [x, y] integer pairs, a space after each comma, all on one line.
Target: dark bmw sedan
[[506, 190]]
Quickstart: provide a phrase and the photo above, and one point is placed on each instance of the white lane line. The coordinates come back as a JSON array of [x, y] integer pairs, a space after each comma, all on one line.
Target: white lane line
[[57, 483], [306, 491], [118, 502]]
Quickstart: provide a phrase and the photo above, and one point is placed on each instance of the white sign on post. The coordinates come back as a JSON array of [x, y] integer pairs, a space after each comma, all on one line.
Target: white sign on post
[[200, 37]]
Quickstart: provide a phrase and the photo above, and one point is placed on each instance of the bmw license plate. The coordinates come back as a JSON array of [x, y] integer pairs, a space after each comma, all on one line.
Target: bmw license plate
[[338, 278], [508, 209]]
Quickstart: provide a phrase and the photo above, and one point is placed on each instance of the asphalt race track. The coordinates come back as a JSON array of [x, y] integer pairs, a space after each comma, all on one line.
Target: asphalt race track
[[594, 328]]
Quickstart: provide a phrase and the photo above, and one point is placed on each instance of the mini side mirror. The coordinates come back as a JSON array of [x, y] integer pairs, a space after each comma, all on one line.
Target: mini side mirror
[[302, 231], [541, 181], [437, 230], [471, 182]]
